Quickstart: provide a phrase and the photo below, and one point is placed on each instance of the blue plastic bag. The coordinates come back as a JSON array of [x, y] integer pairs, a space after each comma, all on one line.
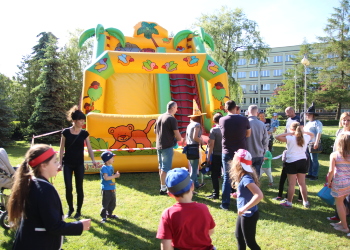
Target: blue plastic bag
[[325, 195]]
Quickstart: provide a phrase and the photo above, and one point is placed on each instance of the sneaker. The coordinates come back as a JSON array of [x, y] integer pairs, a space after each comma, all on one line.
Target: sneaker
[[113, 216], [277, 198], [200, 185], [345, 230], [161, 192], [104, 220], [333, 218], [213, 197], [306, 204], [69, 214], [308, 176], [77, 215], [223, 208], [286, 205], [234, 195], [314, 178], [334, 224]]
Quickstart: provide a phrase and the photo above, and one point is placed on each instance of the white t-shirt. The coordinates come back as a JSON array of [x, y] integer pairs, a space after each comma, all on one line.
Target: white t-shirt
[[295, 152]]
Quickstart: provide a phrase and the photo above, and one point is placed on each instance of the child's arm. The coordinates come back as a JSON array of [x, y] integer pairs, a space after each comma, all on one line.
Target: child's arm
[[166, 245], [107, 178], [257, 197], [282, 137], [211, 231], [331, 169]]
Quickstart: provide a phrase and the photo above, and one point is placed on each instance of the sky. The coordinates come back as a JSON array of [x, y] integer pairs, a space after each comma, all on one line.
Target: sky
[[281, 22]]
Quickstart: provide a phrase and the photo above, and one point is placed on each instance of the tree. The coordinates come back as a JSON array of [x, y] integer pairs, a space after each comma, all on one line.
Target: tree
[[6, 112], [74, 60], [233, 33], [49, 113], [334, 75], [147, 29], [284, 95]]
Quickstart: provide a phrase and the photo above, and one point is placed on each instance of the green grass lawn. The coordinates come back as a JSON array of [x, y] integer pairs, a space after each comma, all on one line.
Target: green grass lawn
[[139, 207]]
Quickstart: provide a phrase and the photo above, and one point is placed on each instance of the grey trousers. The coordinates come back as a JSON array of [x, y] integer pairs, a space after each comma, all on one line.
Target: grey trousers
[[108, 203]]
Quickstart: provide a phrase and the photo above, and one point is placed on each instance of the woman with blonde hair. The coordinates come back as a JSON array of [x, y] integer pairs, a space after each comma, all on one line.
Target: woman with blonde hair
[[295, 163], [34, 205], [344, 125]]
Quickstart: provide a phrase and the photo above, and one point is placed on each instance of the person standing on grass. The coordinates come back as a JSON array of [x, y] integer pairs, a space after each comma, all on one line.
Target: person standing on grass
[[296, 163], [266, 167], [214, 155], [34, 206], [108, 186], [339, 179], [344, 125], [234, 129], [269, 128], [167, 133], [314, 126], [257, 143], [187, 224], [246, 181], [72, 158]]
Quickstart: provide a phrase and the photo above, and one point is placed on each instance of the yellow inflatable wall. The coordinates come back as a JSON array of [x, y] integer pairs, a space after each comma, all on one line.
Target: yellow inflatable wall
[[132, 79]]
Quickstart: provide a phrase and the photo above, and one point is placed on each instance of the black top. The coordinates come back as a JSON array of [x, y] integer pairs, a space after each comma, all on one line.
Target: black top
[[165, 126], [43, 226], [74, 147]]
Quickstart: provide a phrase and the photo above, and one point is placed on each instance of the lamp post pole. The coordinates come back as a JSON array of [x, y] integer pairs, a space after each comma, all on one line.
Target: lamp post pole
[[295, 89], [306, 63]]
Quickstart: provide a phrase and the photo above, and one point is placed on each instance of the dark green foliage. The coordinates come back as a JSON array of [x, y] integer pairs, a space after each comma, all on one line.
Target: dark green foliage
[[49, 113], [6, 113], [327, 143]]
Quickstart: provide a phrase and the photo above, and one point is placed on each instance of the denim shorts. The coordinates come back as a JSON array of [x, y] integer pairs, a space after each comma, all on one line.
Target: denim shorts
[[165, 158]]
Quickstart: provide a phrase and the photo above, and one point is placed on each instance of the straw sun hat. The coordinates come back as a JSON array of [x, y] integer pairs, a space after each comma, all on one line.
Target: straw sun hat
[[196, 111]]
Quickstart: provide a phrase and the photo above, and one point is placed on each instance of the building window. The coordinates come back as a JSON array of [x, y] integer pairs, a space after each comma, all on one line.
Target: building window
[[244, 100], [289, 58], [241, 62], [277, 72], [253, 87], [265, 86], [254, 74], [244, 88], [264, 99], [266, 60], [277, 59], [265, 73], [275, 86], [254, 61], [254, 100], [242, 75]]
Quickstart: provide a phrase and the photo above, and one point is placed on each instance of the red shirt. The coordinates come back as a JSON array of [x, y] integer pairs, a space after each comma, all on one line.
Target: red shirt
[[187, 225]]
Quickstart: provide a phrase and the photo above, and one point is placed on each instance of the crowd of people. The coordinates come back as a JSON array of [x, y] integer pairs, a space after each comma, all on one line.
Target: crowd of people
[[239, 150]]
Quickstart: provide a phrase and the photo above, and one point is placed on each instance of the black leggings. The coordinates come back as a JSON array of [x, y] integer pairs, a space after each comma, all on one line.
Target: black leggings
[[79, 177], [246, 230], [216, 165]]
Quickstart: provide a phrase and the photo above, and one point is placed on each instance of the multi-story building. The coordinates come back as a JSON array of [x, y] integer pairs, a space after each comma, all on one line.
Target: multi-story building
[[258, 84]]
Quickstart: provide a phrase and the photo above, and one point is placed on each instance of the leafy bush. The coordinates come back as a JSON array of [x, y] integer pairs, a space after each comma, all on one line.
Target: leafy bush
[[327, 143]]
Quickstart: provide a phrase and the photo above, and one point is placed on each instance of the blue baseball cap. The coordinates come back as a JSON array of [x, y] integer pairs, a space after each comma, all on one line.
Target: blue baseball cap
[[178, 181], [106, 156]]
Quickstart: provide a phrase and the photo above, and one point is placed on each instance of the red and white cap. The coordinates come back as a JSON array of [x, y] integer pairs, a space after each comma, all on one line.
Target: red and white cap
[[245, 158]]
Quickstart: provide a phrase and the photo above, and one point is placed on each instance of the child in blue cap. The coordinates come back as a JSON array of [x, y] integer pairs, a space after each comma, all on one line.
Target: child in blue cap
[[186, 224], [108, 186]]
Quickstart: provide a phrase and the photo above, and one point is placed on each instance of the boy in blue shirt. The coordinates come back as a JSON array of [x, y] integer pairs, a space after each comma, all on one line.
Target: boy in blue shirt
[[108, 186]]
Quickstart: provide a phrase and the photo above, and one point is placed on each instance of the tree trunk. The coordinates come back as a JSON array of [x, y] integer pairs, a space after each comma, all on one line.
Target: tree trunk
[[337, 116], [155, 44]]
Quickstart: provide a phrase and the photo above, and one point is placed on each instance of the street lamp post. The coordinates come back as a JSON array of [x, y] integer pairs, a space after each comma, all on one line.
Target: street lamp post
[[306, 63], [295, 89]]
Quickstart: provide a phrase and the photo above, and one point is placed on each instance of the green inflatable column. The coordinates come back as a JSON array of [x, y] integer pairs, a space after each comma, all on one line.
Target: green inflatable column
[[163, 85]]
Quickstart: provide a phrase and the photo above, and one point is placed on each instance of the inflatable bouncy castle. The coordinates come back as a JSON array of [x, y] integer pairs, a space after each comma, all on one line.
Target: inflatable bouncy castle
[[131, 80]]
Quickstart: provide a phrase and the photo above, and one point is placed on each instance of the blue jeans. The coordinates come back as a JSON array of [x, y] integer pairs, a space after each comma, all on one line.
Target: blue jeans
[[226, 184], [314, 165], [256, 163], [194, 165], [165, 158]]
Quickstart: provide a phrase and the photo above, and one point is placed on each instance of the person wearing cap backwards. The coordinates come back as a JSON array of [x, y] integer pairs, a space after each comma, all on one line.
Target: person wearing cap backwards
[[314, 126], [167, 135], [246, 181], [275, 123], [187, 224], [108, 186], [35, 208]]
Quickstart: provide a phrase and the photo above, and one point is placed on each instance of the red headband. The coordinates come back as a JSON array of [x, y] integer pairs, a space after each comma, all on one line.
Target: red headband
[[41, 158]]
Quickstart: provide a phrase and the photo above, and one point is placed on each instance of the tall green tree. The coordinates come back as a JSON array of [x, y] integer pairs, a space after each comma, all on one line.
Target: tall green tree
[[7, 115], [74, 61], [233, 33], [49, 113], [294, 83], [334, 59]]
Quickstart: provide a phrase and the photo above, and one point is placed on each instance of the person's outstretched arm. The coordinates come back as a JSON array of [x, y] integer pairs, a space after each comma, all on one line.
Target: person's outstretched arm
[[166, 245]]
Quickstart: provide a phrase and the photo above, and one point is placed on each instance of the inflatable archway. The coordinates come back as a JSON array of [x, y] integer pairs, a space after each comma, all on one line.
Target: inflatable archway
[[132, 79]]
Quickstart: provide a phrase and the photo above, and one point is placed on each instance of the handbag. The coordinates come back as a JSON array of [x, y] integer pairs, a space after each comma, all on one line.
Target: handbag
[[325, 195], [315, 151], [192, 151]]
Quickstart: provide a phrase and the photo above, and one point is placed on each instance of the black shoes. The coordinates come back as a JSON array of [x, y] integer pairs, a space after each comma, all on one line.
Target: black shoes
[[161, 192], [213, 197], [313, 178], [69, 214], [201, 185], [77, 215]]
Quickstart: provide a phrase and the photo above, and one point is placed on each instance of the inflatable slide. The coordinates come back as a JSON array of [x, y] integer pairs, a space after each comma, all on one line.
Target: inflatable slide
[[130, 81]]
